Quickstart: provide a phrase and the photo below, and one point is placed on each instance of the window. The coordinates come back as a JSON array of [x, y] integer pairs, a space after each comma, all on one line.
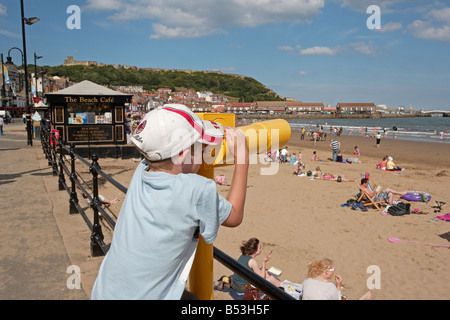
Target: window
[[89, 113]]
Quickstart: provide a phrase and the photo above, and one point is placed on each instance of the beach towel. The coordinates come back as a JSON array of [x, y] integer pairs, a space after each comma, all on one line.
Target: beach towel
[[445, 217]]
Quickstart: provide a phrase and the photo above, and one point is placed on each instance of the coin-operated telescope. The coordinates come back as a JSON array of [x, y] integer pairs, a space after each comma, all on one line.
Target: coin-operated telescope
[[261, 137]]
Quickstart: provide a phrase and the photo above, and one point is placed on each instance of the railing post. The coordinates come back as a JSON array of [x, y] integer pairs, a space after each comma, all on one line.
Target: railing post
[[73, 194], [53, 154], [48, 148], [61, 179], [43, 135], [96, 249]]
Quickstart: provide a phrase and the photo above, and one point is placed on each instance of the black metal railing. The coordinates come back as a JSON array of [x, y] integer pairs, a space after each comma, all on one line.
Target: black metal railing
[[55, 152]]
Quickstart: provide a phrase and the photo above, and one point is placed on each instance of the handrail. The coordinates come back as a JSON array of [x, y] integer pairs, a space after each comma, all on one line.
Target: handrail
[[98, 247]]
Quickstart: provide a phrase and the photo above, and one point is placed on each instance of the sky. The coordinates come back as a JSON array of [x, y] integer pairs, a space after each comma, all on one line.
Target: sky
[[389, 52]]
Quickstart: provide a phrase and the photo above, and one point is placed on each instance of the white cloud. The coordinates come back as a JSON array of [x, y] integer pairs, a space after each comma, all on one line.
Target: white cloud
[[440, 15], [10, 34], [385, 5], [318, 51], [390, 27], [360, 47], [425, 30], [189, 19], [310, 51], [430, 28], [2, 9], [102, 5], [364, 48]]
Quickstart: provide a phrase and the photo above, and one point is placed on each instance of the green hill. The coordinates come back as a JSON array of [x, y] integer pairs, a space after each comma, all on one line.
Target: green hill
[[242, 89]]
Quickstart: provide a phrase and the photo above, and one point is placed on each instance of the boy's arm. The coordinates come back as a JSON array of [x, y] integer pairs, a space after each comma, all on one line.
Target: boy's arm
[[237, 143]]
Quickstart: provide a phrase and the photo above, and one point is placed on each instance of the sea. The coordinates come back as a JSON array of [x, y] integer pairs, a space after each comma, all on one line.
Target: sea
[[425, 129]]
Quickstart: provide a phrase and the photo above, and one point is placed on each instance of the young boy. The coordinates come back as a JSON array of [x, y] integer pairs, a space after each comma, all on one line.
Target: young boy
[[167, 205]]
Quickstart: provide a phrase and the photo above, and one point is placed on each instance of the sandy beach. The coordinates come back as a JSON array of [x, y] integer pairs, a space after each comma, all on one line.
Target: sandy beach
[[302, 220]]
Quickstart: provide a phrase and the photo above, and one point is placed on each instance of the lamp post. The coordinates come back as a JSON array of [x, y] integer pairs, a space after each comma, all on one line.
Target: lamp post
[[10, 62], [3, 84], [28, 21], [35, 73]]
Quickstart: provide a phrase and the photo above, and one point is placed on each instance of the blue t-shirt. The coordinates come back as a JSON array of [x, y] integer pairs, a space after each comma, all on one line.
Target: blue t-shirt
[[152, 248]]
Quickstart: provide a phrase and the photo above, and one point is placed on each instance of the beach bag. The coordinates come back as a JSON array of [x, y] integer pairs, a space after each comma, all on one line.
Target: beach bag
[[358, 205], [251, 293], [399, 209]]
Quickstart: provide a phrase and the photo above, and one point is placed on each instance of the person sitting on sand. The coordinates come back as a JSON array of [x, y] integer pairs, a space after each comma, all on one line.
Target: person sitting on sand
[[382, 165], [315, 157], [386, 195], [391, 166], [339, 157], [292, 158], [300, 170], [250, 249], [318, 286]]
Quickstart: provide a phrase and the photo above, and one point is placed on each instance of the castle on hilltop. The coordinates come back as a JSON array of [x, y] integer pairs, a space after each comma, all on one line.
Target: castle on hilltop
[[71, 62]]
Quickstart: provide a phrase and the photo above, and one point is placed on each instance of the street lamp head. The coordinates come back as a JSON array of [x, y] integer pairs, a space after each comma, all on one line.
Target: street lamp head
[[9, 60], [30, 21]]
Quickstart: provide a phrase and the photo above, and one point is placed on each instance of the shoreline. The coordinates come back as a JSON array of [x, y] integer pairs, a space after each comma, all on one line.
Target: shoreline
[[435, 153], [329, 116]]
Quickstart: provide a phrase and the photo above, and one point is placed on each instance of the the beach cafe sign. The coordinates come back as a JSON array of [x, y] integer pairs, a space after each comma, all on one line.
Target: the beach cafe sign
[[72, 99], [89, 113]]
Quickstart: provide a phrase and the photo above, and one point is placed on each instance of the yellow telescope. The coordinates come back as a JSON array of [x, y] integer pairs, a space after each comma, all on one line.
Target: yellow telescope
[[261, 137]]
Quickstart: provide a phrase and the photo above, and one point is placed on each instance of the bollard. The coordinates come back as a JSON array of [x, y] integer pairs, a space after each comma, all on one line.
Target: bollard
[[261, 137]]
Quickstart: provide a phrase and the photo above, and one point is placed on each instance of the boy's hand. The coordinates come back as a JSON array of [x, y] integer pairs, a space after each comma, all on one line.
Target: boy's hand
[[237, 144]]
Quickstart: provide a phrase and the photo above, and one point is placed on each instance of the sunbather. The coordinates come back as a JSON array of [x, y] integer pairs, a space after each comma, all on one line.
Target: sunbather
[[386, 195], [318, 174]]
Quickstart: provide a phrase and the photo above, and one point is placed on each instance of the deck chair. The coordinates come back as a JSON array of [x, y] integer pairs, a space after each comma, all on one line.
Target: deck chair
[[372, 186], [366, 199]]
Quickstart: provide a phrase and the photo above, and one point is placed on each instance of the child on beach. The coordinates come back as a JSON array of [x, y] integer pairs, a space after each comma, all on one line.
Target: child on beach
[[293, 158], [167, 205], [300, 170], [318, 285], [358, 154], [315, 157], [382, 165]]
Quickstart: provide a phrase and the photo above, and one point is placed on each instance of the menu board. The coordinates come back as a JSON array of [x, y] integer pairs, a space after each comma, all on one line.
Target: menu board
[[90, 133]]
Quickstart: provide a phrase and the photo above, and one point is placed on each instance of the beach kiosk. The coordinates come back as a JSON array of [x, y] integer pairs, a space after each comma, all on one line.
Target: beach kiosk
[[88, 113]]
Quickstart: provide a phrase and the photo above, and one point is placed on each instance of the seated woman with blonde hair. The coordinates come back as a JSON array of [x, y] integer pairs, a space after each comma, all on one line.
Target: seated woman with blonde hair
[[318, 286]]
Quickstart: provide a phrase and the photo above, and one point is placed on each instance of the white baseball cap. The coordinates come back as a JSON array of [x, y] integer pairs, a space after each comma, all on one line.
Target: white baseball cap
[[172, 128]]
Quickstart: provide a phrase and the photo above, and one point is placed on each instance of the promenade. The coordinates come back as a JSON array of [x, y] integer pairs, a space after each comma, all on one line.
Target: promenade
[[33, 257]]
